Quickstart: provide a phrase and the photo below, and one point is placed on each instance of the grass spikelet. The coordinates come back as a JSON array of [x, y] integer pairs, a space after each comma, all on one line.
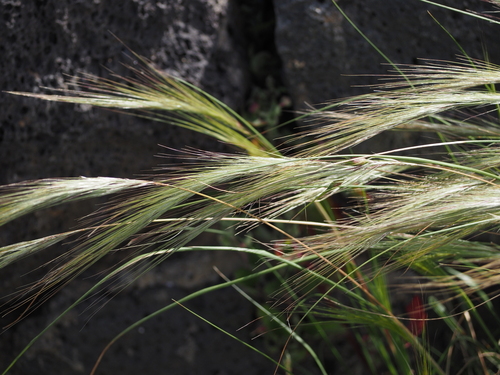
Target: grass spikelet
[[398, 211]]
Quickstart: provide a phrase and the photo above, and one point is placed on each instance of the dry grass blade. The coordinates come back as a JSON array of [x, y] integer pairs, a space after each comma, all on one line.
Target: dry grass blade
[[25, 197], [410, 211], [431, 91], [160, 97]]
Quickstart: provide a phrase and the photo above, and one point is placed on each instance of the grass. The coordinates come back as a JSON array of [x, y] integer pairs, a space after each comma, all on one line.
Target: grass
[[332, 229]]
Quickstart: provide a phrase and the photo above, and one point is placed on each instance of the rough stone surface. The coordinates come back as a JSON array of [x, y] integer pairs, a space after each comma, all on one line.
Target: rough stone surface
[[40, 42], [321, 51], [323, 55]]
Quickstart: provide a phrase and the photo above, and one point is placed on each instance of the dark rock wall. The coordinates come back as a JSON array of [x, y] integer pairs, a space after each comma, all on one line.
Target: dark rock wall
[[40, 42], [321, 50], [200, 40], [323, 55]]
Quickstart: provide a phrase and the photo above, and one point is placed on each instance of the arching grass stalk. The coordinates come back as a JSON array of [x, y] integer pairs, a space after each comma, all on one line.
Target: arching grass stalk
[[465, 12], [415, 212], [291, 332], [283, 262], [140, 258]]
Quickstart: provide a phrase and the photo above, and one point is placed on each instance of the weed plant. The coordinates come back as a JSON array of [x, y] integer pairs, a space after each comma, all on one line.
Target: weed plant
[[351, 227]]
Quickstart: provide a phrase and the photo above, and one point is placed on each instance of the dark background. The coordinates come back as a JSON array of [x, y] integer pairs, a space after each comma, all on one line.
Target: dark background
[[228, 47]]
